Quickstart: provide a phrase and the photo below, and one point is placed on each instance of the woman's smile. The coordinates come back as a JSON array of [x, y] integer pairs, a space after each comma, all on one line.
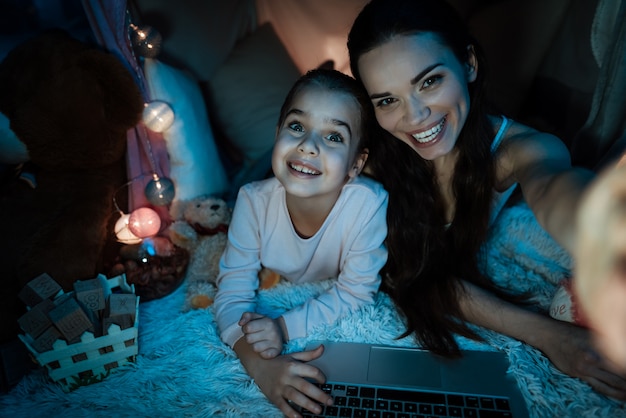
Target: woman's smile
[[429, 136]]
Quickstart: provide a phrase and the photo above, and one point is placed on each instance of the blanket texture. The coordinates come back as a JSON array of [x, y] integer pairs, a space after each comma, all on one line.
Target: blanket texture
[[184, 370]]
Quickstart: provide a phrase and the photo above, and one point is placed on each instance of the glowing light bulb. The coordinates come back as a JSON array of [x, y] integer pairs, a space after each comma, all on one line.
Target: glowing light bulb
[[123, 232], [158, 116], [144, 222], [146, 41], [160, 190]]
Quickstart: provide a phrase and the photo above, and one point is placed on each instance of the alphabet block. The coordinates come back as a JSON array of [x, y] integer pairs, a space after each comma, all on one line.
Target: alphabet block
[[120, 310], [40, 288], [71, 320], [35, 321], [90, 293]]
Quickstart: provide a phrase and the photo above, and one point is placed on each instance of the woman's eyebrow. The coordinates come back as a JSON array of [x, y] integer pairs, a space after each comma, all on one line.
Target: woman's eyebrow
[[421, 75], [413, 81]]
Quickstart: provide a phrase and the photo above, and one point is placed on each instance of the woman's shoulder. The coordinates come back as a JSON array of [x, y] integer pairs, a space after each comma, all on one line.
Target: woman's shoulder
[[523, 147], [520, 137]]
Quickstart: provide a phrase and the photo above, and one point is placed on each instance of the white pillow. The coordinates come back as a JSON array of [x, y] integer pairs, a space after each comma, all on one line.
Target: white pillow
[[195, 166], [248, 90]]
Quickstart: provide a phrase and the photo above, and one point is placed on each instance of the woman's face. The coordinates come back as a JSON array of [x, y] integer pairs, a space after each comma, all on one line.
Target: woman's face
[[419, 90]]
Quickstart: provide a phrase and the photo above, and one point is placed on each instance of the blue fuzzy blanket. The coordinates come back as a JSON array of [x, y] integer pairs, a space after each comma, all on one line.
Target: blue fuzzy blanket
[[184, 370]]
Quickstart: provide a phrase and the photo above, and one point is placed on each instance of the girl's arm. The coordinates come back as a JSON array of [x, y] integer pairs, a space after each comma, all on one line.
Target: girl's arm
[[283, 379], [541, 164], [363, 254], [568, 346], [237, 282]]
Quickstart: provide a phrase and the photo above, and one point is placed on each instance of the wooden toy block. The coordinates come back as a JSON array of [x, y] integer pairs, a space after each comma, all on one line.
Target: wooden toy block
[[91, 293], [120, 310], [46, 340], [71, 320], [40, 288], [91, 358], [35, 321], [62, 298]]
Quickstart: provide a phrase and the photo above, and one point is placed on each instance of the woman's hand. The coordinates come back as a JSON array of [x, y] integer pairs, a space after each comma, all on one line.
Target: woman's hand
[[572, 351], [264, 334], [569, 347], [283, 379]]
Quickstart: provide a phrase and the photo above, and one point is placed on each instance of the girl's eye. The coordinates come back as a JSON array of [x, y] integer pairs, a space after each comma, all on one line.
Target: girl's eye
[[384, 102], [335, 137], [296, 126], [431, 81]]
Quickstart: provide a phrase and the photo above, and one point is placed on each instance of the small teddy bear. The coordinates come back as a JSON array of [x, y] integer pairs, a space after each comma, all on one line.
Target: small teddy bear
[[200, 225]]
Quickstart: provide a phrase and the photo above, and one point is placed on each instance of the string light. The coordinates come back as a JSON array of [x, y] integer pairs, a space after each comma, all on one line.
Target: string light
[[123, 232], [160, 190], [146, 40], [158, 116], [144, 222], [141, 223]]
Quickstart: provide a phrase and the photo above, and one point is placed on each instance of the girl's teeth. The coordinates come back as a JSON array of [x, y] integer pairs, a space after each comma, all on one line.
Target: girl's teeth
[[303, 169], [424, 137]]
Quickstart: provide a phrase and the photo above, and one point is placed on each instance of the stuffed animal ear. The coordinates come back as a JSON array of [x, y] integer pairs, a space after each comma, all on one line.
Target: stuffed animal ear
[[177, 209]]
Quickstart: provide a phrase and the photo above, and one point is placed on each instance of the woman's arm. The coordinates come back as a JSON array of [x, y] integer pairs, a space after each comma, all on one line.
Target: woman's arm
[[541, 164], [568, 346]]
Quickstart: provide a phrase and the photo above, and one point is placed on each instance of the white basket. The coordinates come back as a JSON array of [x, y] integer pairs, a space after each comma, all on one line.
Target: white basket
[[91, 359]]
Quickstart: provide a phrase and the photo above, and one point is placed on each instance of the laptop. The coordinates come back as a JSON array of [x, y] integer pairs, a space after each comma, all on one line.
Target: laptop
[[369, 380]]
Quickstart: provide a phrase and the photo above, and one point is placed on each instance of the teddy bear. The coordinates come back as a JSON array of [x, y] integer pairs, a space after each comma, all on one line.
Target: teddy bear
[[200, 225], [70, 105]]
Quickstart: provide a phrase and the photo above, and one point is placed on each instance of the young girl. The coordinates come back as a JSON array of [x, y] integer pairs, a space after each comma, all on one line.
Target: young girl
[[449, 165], [316, 219]]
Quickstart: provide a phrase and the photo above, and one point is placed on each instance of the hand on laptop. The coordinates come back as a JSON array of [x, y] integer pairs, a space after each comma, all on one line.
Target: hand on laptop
[[286, 379], [264, 334]]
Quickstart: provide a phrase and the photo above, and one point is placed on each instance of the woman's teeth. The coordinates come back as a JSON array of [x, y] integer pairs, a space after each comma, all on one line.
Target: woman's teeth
[[429, 135]]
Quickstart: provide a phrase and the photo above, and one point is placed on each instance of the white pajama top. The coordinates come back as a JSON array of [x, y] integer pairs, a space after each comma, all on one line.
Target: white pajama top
[[349, 247]]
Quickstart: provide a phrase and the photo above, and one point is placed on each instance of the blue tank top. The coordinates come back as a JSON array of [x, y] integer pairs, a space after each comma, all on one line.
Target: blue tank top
[[499, 198]]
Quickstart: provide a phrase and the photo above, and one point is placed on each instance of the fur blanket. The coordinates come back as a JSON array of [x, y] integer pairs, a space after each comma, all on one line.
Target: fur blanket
[[184, 370]]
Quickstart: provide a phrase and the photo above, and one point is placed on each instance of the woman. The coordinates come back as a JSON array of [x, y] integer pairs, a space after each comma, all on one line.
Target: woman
[[449, 165]]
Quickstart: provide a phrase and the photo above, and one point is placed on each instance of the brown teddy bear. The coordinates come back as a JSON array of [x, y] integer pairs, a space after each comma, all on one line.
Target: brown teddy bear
[[200, 226], [71, 105]]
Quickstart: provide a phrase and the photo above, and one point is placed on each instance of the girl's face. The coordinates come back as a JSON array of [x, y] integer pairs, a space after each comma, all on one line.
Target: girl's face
[[315, 152], [419, 90]]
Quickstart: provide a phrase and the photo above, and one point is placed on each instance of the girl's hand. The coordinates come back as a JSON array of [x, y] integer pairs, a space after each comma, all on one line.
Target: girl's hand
[[571, 350], [283, 379], [263, 334]]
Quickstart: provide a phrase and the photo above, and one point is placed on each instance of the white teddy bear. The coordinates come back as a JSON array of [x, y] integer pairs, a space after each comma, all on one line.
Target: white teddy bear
[[200, 225]]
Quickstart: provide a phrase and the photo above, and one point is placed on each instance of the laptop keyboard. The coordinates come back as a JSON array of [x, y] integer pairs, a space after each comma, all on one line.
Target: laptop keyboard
[[361, 401]]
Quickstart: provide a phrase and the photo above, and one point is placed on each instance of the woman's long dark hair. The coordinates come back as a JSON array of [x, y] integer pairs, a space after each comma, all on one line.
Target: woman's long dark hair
[[426, 260]]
